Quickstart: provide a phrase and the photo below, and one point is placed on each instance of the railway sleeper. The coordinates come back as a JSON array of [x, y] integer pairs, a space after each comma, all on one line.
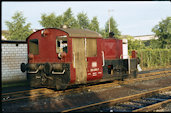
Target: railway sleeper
[[143, 102], [119, 108], [156, 99], [162, 96], [131, 106]]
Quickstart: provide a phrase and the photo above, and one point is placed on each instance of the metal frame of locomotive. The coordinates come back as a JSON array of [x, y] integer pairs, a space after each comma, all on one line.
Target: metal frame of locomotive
[[60, 57]]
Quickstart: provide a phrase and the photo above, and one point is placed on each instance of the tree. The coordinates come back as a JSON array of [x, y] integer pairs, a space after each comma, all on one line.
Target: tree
[[83, 20], [68, 19], [103, 33], [163, 31], [94, 25], [113, 28], [18, 29], [51, 21], [155, 44]]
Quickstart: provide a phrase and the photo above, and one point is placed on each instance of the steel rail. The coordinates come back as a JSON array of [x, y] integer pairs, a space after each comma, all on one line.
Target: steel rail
[[152, 107], [112, 102]]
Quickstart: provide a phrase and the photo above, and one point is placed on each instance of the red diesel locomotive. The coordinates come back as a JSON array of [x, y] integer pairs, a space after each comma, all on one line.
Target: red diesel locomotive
[[60, 57]]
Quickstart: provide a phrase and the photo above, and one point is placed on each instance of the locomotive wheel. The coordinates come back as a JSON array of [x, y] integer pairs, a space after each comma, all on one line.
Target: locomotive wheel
[[60, 84]]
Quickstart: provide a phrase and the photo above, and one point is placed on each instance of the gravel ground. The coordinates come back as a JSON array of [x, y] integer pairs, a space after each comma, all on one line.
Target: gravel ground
[[166, 108], [64, 102]]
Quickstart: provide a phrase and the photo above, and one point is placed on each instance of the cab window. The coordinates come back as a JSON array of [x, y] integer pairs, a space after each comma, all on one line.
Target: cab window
[[34, 46], [91, 47], [61, 44]]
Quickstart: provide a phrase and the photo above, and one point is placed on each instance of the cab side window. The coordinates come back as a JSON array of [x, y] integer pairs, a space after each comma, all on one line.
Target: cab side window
[[34, 46], [61, 45], [91, 47]]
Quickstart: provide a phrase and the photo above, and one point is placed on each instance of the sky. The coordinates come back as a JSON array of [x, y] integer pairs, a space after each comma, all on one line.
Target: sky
[[132, 17]]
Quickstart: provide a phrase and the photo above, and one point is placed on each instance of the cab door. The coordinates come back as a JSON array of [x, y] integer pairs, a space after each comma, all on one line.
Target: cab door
[[79, 59], [94, 59]]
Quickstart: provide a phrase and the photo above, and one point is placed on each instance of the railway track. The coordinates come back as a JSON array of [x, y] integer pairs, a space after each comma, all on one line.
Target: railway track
[[140, 77], [12, 96], [45, 92], [143, 102]]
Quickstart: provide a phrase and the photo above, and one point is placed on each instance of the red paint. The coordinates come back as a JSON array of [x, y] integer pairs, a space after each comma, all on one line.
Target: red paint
[[46, 32], [112, 48], [47, 47], [134, 54], [31, 56], [94, 73], [72, 74]]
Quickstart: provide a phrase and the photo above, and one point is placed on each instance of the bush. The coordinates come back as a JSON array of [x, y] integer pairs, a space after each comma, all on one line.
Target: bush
[[153, 58]]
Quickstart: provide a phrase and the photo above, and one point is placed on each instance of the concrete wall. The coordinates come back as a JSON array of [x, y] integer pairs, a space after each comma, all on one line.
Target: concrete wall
[[13, 54]]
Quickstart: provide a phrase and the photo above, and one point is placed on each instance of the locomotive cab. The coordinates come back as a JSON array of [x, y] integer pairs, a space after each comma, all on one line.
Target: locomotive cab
[[48, 59]]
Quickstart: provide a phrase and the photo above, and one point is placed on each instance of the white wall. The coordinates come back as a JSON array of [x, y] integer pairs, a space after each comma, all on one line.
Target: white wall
[[12, 57], [125, 48], [145, 37]]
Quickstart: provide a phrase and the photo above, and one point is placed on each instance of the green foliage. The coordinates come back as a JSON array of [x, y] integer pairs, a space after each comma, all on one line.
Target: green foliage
[[113, 28], [163, 31], [153, 58], [17, 28], [94, 25], [155, 44], [104, 33], [83, 20], [5, 33], [133, 44], [51, 21], [68, 19]]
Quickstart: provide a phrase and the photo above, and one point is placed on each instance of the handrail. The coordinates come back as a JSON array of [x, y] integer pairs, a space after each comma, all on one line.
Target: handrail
[[103, 58], [129, 64], [74, 59]]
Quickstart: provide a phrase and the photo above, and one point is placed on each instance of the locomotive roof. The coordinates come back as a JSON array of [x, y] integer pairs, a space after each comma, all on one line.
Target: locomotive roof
[[81, 33]]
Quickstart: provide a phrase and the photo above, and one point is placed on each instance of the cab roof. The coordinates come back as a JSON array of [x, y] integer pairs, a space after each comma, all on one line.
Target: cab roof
[[73, 32], [81, 33]]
